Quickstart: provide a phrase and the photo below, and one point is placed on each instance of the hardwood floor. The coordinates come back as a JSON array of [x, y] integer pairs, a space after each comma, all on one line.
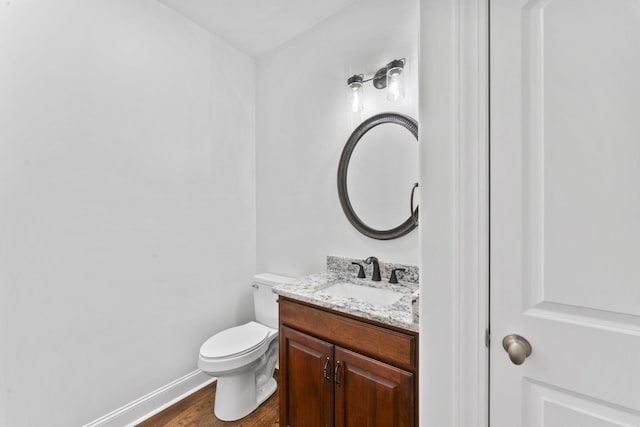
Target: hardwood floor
[[197, 411]]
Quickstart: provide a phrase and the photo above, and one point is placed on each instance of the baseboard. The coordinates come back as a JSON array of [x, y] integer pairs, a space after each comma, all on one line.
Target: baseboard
[[145, 407]]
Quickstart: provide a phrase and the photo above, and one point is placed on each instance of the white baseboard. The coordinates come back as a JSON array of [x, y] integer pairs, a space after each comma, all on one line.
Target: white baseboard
[[145, 407]]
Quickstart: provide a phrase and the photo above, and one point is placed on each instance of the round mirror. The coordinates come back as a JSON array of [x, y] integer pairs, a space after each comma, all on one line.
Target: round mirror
[[376, 175]]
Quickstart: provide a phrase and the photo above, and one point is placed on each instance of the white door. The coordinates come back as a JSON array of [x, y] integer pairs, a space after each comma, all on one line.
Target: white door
[[565, 211]]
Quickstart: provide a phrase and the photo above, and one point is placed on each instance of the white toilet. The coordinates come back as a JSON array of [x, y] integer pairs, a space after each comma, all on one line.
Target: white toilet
[[244, 357]]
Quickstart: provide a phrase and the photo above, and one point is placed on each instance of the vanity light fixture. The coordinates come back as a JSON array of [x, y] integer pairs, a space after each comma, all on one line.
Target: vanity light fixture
[[355, 93], [390, 76], [395, 80]]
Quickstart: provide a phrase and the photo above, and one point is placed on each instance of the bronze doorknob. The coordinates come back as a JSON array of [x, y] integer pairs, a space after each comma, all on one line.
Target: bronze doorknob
[[517, 347]]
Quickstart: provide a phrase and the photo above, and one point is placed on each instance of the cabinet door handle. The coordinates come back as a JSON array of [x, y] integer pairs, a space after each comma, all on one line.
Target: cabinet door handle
[[336, 378], [325, 370]]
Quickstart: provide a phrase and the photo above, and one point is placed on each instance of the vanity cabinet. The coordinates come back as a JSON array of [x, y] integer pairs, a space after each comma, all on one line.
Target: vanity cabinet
[[339, 370]]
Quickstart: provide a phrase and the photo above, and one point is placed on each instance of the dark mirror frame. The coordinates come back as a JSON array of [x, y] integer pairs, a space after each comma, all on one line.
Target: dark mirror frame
[[406, 227]]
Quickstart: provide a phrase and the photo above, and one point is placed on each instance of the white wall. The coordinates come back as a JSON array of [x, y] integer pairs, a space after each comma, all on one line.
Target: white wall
[[127, 202], [303, 124]]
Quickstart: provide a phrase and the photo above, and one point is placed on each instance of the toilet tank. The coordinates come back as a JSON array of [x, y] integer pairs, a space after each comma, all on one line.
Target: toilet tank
[[264, 300]]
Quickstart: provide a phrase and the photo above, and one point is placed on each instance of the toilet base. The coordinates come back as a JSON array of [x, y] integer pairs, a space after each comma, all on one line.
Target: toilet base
[[266, 391], [237, 396]]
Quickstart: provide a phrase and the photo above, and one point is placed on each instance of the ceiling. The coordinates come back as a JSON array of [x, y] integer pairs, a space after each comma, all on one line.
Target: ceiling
[[257, 26]]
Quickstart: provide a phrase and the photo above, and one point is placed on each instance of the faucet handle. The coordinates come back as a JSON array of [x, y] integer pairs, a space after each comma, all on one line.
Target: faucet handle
[[394, 278], [360, 271]]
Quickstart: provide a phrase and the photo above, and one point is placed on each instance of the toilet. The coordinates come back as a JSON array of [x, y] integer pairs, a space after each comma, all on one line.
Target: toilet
[[244, 357]]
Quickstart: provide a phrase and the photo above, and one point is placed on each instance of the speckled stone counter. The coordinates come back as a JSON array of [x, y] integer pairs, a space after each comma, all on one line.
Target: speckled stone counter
[[309, 289]]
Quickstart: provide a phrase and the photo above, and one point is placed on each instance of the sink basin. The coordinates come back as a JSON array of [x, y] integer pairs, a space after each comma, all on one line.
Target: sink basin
[[375, 296]]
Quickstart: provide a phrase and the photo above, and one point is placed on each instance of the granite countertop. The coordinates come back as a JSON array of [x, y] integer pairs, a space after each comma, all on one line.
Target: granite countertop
[[309, 289]]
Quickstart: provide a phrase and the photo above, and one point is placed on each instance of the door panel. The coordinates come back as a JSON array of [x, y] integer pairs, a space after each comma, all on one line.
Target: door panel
[[553, 407], [565, 211], [580, 138], [306, 395], [371, 393]]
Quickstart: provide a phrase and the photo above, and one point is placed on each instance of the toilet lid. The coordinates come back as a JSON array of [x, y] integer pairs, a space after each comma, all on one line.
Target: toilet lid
[[234, 341]]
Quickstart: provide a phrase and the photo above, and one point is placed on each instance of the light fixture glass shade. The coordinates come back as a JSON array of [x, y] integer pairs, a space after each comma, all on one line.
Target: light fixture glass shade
[[395, 83], [355, 96]]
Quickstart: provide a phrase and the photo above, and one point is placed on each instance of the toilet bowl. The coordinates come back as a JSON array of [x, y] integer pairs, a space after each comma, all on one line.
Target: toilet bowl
[[244, 357]]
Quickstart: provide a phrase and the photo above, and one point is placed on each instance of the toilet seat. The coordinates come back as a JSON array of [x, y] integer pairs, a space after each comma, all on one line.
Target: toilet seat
[[234, 342], [226, 352]]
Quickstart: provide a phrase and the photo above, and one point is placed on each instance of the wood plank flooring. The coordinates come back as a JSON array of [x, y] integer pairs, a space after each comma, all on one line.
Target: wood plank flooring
[[197, 411]]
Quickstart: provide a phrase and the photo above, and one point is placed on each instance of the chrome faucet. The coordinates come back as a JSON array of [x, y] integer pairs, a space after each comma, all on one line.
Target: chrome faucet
[[376, 268]]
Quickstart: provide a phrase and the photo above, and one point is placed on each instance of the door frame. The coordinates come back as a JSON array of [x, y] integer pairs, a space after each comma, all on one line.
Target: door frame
[[454, 216]]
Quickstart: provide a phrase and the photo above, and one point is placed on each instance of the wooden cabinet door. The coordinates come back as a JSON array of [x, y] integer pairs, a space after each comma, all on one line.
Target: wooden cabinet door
[[306, 380], [369, 393]]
